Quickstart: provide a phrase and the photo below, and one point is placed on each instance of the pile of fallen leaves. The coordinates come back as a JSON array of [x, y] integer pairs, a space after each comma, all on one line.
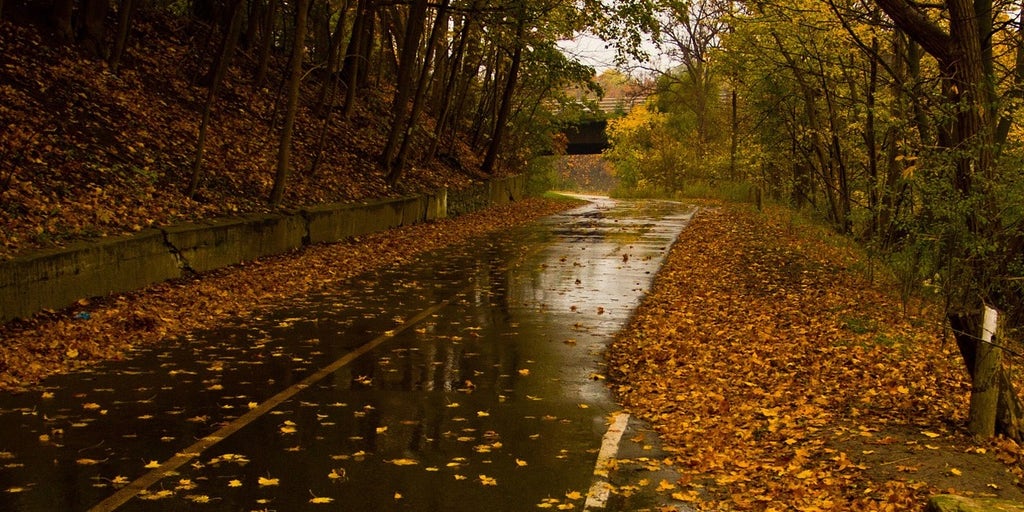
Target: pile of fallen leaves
[[87, 153], [107, 328], [784, 376]]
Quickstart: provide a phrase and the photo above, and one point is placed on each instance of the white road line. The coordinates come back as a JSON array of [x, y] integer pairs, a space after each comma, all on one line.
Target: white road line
[[597, 497], [142, 483]]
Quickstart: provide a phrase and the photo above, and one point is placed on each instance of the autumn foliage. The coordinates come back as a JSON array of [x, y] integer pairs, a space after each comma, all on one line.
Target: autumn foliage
[[783, 375]]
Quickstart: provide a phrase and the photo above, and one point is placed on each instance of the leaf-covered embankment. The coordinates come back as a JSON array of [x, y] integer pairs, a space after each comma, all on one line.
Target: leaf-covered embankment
[[781, 377]]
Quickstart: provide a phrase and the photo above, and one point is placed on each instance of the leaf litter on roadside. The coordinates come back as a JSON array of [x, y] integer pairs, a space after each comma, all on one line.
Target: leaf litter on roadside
[[770, 365]]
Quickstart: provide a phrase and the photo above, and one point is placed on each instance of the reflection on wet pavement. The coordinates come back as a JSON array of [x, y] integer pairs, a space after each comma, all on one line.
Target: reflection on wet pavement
[[495, 400]]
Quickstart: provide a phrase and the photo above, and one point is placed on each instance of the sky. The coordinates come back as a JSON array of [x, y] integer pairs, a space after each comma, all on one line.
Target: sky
[[590, 50]]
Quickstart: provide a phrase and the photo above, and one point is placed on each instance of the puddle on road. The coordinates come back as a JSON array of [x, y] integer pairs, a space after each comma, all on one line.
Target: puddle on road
[[495, 402]]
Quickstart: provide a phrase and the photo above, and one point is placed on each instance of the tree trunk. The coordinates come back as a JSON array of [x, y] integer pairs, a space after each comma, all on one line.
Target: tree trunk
[[352, 61], [60, 15], [295, 77], [94, 13], [404, 81], [985, 378], [734, 137], [491, 158], [977, 336], [332, 59], [227, 50], [266, 43], [124, 17], [420, 96]]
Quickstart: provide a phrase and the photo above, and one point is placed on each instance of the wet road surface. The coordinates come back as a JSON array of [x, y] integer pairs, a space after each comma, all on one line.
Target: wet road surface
[[462, 381]]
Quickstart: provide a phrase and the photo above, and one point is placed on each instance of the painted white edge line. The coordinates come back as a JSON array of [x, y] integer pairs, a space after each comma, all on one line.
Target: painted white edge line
[[122, 496], [597, 497]]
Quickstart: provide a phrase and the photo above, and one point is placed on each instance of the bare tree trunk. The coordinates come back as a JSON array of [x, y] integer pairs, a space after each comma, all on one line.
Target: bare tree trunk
[[491, 158], [223, 62], [94, 13], [448, 89], [124, 17], [995, 407], [353, 54], [295, 77], [332, 59], [404, 82], [985, 379], [420, 96], [60, 16], [266, 43]]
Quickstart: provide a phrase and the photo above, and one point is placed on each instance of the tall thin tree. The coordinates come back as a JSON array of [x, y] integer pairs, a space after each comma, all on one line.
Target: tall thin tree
[[227, 49], [294, 80]]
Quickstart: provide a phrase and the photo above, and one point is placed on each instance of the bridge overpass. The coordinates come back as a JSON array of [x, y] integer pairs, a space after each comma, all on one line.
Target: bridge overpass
[[588, 137]]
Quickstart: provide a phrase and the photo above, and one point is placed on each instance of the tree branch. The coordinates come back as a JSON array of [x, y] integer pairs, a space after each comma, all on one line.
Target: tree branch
[[930, 36]]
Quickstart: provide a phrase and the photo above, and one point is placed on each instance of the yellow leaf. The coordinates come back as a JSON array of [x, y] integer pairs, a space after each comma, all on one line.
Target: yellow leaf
[[398, 496], [805, 474], [574, 495], [664, 485], [266, 482], [932, 435], [235, 483], [152, 465], [520, 462], [87, 462], [524, 372], [486, 480], [403, 462], [955, 471], [321, 500]]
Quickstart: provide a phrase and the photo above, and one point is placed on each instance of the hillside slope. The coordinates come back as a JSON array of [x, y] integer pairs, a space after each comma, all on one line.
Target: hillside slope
[[86, 153]]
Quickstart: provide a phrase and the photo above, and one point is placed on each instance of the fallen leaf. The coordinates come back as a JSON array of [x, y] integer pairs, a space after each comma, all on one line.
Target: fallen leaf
[[403, 462]]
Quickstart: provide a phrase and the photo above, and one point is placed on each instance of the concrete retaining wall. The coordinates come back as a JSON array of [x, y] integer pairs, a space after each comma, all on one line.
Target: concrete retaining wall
[[55, 279], [481, 195]]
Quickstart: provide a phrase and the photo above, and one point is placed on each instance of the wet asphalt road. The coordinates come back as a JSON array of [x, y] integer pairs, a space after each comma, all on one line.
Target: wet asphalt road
[[463, 381]]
